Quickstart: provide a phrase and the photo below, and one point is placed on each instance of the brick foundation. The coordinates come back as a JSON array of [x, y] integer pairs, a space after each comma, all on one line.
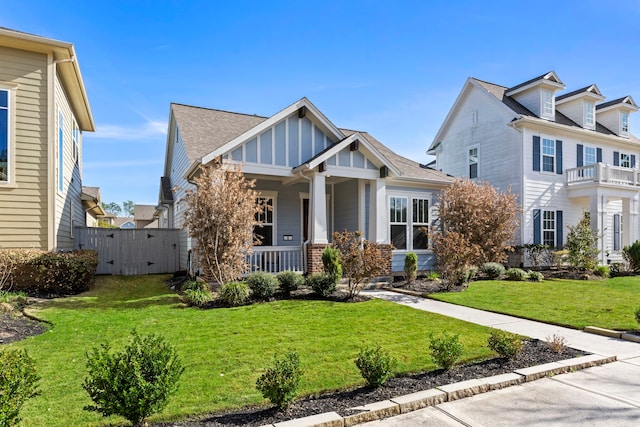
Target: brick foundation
[[388, 256], [314, 257]]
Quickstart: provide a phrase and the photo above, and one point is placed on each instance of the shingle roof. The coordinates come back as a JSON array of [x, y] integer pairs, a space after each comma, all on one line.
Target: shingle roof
[[143, 212], [203, 129], [91, 191], [531, 81], [610, 103], [577, 91]]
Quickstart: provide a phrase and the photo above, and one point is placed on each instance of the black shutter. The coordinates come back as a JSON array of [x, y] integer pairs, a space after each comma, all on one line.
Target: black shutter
[[559, 228], [616, 232], [536, 153], [579, 155], [558, 157], [537, 227], [599, 155], [616, 158]]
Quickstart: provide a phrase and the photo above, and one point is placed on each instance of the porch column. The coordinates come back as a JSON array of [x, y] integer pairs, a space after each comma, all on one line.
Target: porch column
[[378, 215], [597, 211], [318, 209], [629, 221]]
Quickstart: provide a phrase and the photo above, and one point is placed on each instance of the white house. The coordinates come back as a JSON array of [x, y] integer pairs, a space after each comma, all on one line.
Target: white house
[[316, 177], [562, 153]]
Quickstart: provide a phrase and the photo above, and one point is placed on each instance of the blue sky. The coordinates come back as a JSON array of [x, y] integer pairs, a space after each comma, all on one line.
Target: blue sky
[[392, 68]]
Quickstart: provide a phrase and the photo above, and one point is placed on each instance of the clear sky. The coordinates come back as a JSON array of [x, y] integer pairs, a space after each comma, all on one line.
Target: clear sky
[[392, 68]]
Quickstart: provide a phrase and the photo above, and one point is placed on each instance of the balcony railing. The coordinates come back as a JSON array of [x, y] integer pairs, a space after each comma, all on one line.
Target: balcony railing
[[603, 173], [274, 259]]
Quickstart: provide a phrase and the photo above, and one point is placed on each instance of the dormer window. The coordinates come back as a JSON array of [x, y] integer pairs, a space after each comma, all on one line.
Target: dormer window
[[547, 103], [624, 123], [589, 109]]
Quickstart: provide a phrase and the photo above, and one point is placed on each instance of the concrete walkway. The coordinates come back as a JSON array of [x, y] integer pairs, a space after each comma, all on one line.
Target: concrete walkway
[[607, 395]]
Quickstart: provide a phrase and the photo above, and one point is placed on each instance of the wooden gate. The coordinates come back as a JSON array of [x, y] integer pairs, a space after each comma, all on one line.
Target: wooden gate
[[131, 252]]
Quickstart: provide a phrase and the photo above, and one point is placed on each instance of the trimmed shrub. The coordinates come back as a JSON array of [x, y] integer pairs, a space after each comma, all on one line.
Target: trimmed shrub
[[492, 270], [535, 276], [134, 383], [631, 254], [18, 382], [280, 382], [331, 262], [197, 297], [322, 284], [445, 350], [289, 281], [233, 294], [263, 285], [601, 271], [375, 365], [507, 345], [516, 274], [194, 284], [410, 266]]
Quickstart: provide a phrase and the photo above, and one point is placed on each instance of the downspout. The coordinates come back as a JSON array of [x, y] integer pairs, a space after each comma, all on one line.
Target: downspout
[[306, 242]]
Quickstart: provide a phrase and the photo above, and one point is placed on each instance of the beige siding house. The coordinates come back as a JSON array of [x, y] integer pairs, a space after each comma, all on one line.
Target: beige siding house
[[43, 111]]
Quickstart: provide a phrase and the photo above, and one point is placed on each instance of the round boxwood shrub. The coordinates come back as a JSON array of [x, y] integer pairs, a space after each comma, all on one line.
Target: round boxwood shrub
[[289, 281], [516, 274], [493, 270], [322, 284], [233, 294], [375, 365], [262, 284], [281, 381], [504, 343], [445, 350], [535, 276]]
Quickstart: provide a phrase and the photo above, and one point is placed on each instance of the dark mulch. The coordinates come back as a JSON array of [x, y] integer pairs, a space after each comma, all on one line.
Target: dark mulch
[[534, 353], [15, 327]]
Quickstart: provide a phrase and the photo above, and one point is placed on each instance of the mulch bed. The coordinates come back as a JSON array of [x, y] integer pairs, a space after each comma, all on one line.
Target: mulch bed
[[15, 327], [534, 353]]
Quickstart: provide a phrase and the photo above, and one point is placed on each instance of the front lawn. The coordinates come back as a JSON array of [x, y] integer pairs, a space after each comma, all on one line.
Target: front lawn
[[223, 350], [606, 303]]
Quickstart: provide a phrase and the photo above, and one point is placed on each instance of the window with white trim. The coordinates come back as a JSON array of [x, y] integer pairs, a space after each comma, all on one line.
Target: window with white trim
[[406, 227], [625, 160], [4, 135], [398, 221], [265, 232], [75, 136], [589, 109], [548, 154], [420, 221], [547, 103], [624, 123], [549, 228], [472, 159]]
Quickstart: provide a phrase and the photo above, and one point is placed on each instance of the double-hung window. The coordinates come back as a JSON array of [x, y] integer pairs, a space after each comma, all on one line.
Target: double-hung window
[[547, 103], [266, 220], [548, 154], [404, 223], [549, 228], [473, 162], [589, 108], [625, 160], [4, 135], [624, 123]]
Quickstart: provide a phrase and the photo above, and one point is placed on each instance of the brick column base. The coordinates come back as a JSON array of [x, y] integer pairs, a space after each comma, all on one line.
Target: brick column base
[[388, 257], [314, 257]]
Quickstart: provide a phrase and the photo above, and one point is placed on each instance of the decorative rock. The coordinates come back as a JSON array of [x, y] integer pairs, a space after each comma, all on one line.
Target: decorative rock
[[505, 380], [588, 361], [371, 412], [540, 371], [463, 389], [419, 400]]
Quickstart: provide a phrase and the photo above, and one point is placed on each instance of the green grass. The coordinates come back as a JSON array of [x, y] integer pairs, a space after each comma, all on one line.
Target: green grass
[[224, 350], [606, 303]]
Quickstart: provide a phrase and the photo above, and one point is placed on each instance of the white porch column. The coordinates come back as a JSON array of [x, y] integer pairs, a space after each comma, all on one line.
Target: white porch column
[[597, 211], [318, 209], [630, 221], [378, 213]]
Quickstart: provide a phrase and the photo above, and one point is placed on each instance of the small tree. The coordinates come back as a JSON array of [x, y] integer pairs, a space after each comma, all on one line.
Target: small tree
[[331, 263], [220, 217], [361, 260], [582, 244], [410, 266], [475, 226]]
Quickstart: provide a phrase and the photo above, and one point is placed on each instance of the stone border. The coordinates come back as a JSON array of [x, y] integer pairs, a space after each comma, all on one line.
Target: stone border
[[612, 334], [446, 393]]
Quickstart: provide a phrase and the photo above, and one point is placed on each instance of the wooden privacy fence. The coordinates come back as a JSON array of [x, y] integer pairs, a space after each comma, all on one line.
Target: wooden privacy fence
[[131, 252]]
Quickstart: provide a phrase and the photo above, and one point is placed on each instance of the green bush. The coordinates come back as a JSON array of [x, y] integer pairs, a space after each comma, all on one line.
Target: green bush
[[289, 281], [535, 276], [18, 382], [507, 345], [445, 350], [637, 315], [331, 263], [433, 275], [262, 284], [601, 271], [322, 284], [197, 297], [194, 284], [492, 270], [234, 294], [375, 365], [469, 274], [410, 266], [134, 383], [631, 254], [280, 382], [516, 274]]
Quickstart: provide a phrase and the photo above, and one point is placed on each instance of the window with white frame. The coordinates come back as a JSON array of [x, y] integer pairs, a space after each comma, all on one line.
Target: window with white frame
[[624, 123], [404, 223], [4, 135], [547, 103], [548, 154], [75, 136], [420, 221], [398, 221], [589, 108], [472, 158], [589, 157], [265, 232], [549, 228], [625, 160]]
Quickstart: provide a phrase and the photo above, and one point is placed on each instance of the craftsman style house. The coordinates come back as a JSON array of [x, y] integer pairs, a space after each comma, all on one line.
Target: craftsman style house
[[562, 154], [316, 178], [43, 111]]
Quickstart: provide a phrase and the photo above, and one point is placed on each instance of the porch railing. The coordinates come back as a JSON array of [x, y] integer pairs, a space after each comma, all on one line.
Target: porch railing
[[274, 259], [604, 173]]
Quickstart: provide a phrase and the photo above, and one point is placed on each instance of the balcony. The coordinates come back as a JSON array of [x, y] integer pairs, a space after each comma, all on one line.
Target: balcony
[[603, 174]]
